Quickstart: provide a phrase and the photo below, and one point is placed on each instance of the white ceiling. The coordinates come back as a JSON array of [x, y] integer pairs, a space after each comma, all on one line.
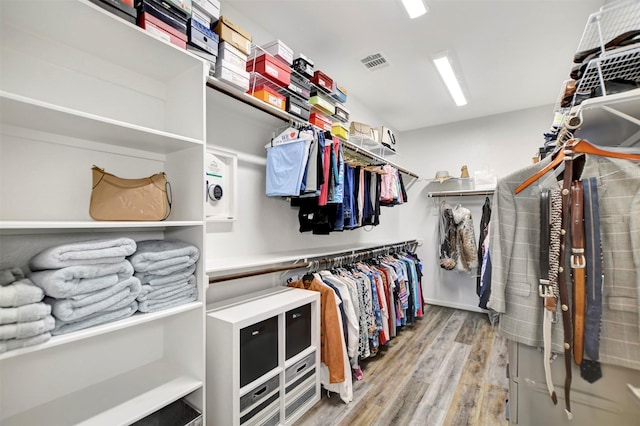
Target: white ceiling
[[509, 54]]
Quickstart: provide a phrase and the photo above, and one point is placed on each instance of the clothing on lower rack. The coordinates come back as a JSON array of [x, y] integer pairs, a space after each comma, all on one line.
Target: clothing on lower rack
[[374, 299]]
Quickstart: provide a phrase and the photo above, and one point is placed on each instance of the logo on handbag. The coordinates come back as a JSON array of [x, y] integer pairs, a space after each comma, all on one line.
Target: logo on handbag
[[116, 198]]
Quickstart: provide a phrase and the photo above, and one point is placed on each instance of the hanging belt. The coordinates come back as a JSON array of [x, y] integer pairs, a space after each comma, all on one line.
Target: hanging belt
[[562, 279], [578, 264], [590, 369], [545, 289]]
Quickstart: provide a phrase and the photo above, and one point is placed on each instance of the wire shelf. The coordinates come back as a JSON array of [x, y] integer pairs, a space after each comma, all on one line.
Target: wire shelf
[[609, 22], [625, 65]]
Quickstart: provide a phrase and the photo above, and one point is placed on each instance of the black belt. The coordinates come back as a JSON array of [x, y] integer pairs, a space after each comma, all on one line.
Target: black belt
[[562, 276]]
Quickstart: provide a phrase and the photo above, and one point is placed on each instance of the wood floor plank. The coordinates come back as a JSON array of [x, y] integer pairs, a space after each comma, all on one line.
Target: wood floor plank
[[462, 410], [468, 330], [475, 369], [493, 401], [498, 360]]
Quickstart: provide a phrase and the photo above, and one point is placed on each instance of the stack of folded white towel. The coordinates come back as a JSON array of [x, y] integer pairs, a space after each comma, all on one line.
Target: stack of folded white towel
[[24, 319], [166, 270], [87, 283]]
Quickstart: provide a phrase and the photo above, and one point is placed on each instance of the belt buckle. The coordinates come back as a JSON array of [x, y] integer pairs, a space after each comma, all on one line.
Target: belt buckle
[[544, 289], [577, 258]]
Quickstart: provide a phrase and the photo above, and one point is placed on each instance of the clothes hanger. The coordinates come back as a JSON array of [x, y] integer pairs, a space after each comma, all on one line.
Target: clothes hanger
[[570, 148]]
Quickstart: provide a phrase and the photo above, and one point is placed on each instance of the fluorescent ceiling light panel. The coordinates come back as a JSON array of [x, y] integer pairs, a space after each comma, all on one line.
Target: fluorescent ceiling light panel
[[449, 77], [414, 8]]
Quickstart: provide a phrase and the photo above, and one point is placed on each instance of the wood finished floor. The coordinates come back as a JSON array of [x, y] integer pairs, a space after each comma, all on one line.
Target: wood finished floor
[[447, 369]]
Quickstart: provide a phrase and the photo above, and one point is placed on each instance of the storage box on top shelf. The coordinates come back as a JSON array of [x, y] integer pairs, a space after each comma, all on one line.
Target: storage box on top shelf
[[268, 95], [320, 121], [121, 8], [202, 37], [342, 113], [184, 5], [339, 93], [232, 55], [300, 85], [168, 13], [298, 107], [210, 8], [322, 104], [233, 34], [232, 75], [160, 29], [323, 81], [271, 68], [340, 130], [279, 50], [198, 15], [303, 65]]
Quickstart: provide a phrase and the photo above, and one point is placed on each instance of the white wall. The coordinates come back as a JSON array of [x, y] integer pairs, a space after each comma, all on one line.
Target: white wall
[[504, 142]]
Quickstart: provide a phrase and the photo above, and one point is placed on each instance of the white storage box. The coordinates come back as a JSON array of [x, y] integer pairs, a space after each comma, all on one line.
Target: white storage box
[[209, 7], [280, 50], [232, 75], [232, 55]]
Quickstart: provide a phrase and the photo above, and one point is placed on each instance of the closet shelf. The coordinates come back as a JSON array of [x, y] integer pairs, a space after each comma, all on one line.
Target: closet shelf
[[455, 187], [23, 112], [371, 145], [7, 226], [136, 319], [612, 120], [462, 193], [121, 400], [231, 91], [230, 264]]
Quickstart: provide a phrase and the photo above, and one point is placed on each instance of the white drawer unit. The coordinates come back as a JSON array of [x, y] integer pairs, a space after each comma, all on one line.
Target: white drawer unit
[[263, 357]]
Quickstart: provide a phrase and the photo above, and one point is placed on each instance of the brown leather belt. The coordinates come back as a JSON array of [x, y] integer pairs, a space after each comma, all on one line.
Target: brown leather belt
[[562, 276], [578, 264]]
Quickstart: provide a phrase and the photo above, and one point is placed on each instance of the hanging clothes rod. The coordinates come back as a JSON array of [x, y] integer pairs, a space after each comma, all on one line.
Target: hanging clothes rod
[[333, 259]]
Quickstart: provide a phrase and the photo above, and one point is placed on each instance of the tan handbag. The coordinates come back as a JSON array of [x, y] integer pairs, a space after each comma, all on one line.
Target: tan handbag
[[361, 129], [115, 198]]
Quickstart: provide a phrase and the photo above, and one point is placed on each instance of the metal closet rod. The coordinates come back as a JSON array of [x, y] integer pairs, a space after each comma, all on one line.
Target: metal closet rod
[[350, 255]]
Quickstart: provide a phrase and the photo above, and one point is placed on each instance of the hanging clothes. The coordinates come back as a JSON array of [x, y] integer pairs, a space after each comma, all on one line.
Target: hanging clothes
[[515, 246], [484, 231]]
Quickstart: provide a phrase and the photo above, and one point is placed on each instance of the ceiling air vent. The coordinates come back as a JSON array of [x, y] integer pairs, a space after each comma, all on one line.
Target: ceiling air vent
[[375, 61]]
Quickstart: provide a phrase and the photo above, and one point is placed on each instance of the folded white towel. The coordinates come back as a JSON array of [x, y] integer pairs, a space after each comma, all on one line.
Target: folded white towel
[[96, 319], [24, 313], [164, 257], [161, 280], [22, 330], [81, 279], [19, 293], [69, 310], [9, 275], [8, 345], [158, 305], [156, 293], [83, 253]]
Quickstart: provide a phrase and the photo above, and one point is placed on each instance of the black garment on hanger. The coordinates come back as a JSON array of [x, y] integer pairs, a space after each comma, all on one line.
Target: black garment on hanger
[[484, 224], [376, 208], [367, 212]]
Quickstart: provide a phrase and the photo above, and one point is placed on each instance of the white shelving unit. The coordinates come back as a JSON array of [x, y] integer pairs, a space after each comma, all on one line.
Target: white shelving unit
[[371, 145], [610, 120], [244, 332], [80, 87]]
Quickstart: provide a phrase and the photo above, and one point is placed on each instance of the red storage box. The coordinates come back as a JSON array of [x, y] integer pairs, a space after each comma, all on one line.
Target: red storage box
[[320, 121], [271, 68], [163, 31], [323, 81]]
